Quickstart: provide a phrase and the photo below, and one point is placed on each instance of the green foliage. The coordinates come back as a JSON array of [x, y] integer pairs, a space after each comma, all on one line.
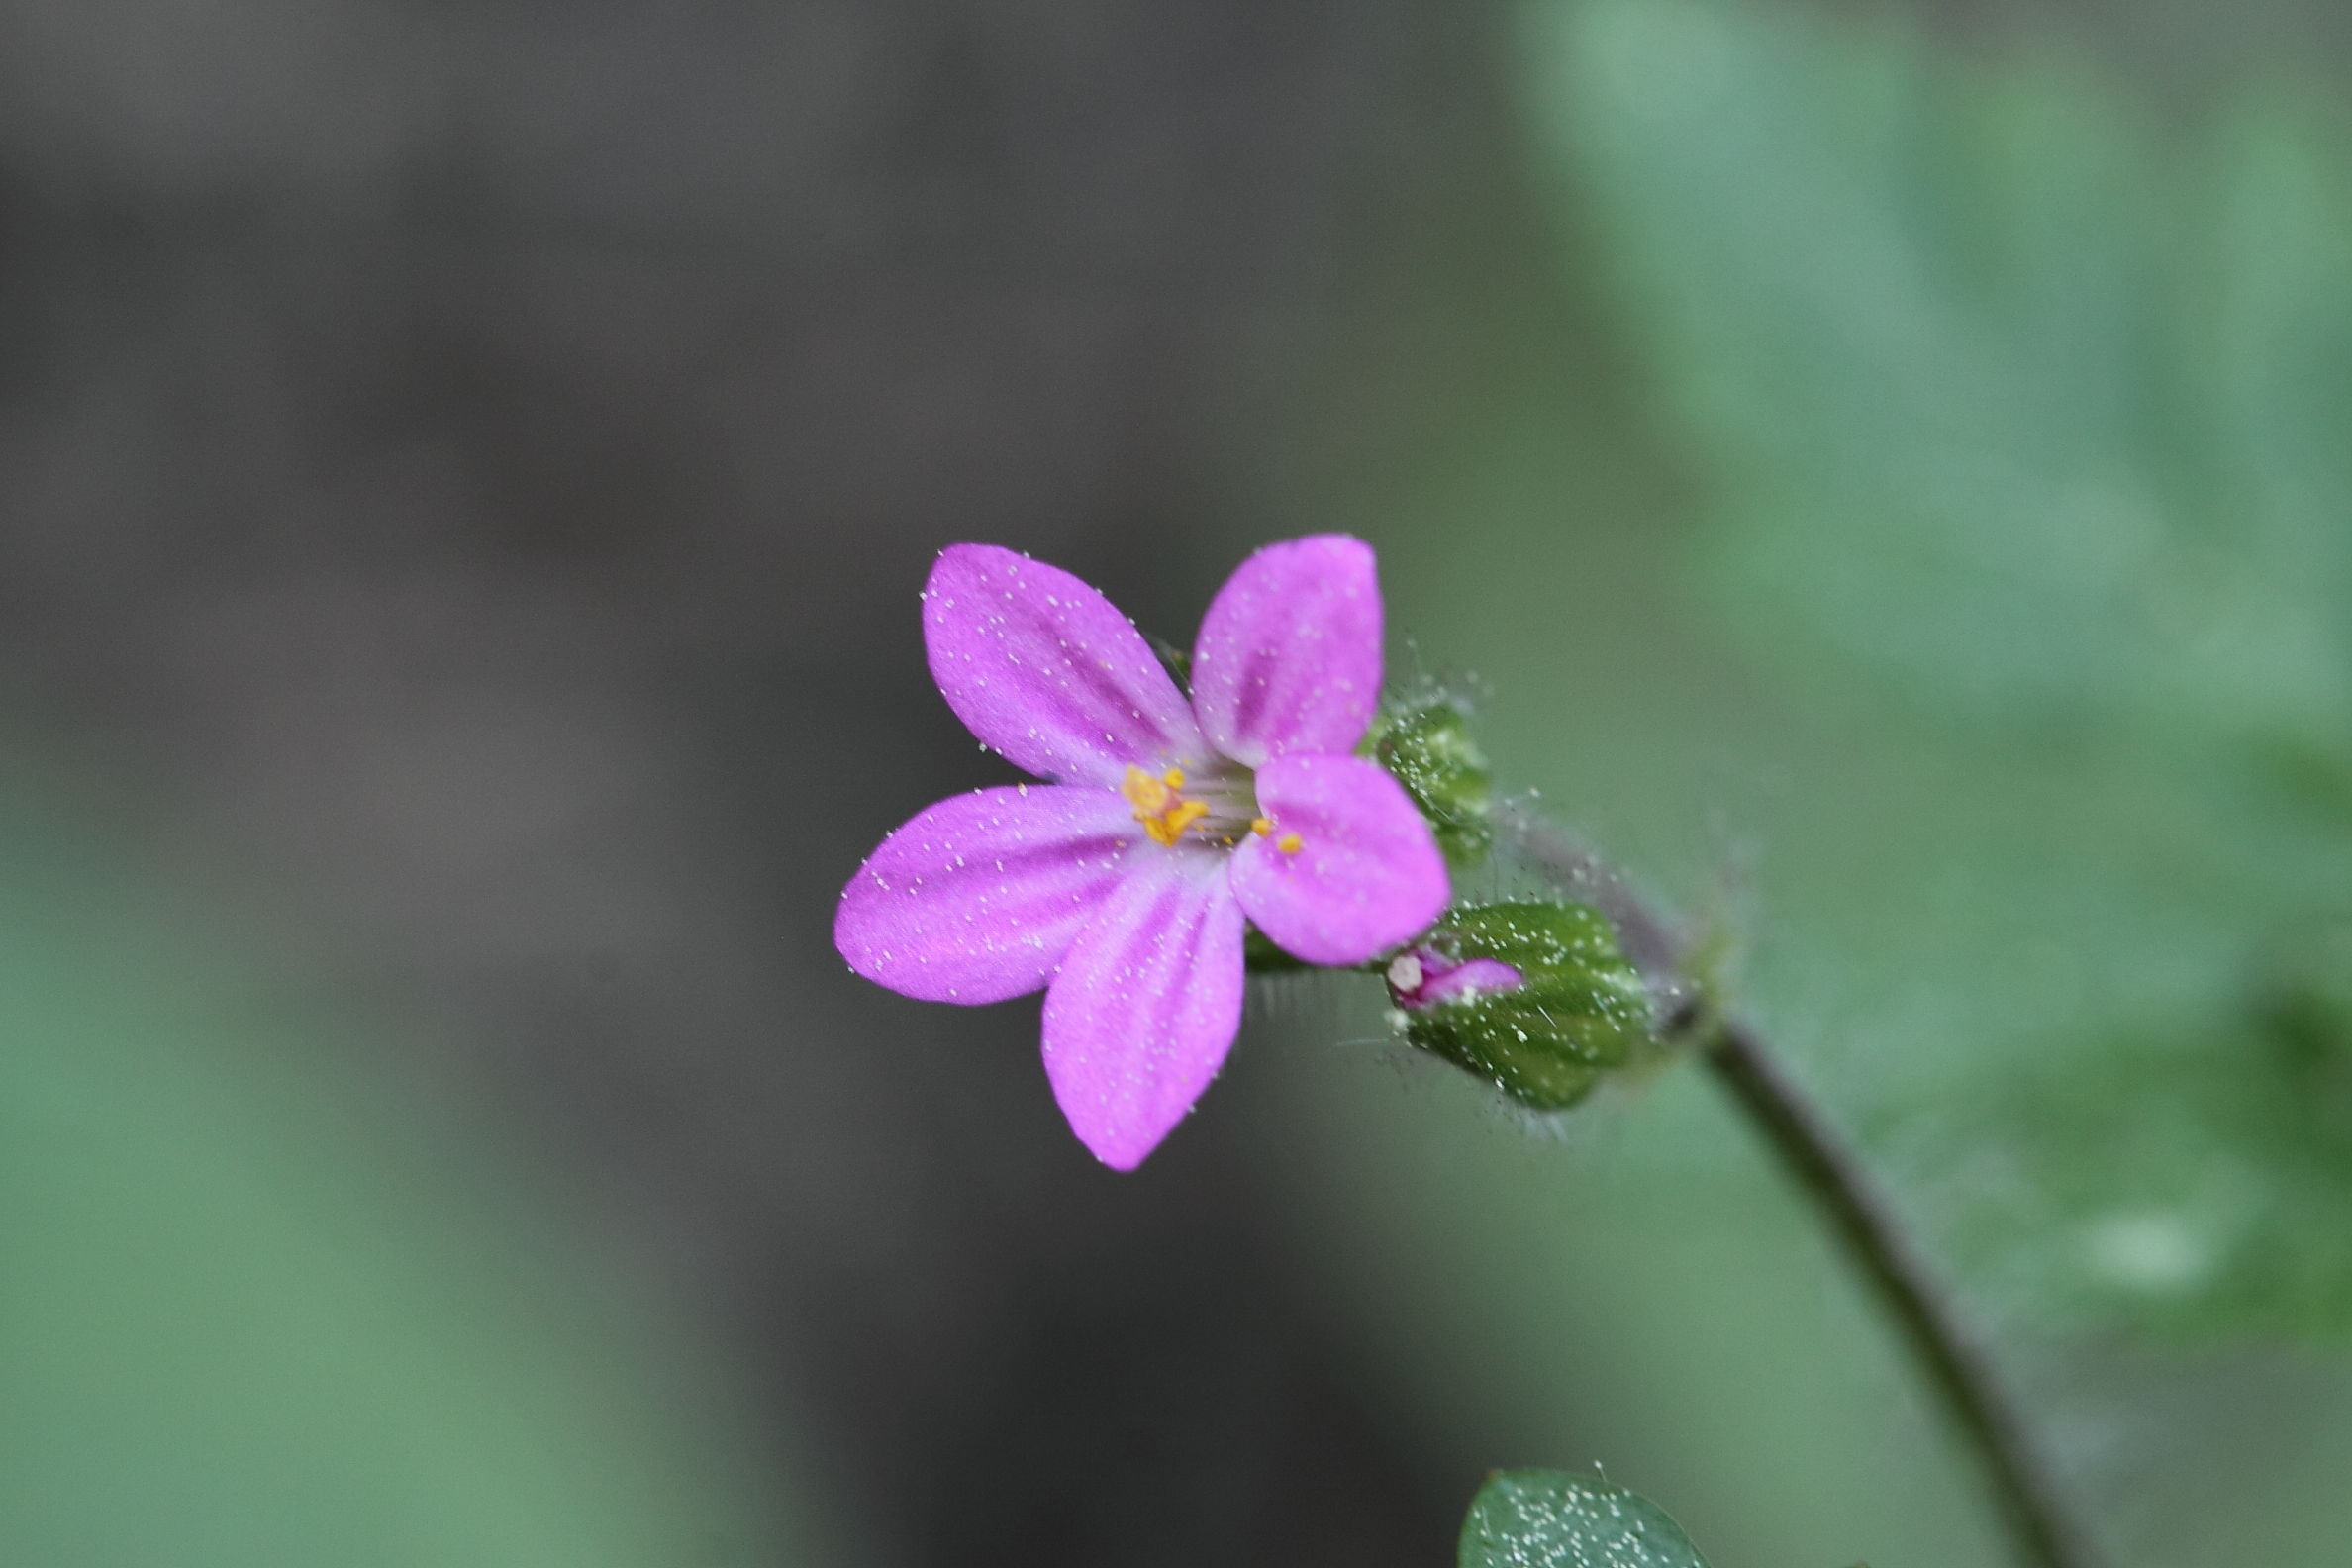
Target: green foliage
[[1548, 1519], [2023, 414], [2208, 1190], [1581, 1010], [1423, 740], [2017, 404]]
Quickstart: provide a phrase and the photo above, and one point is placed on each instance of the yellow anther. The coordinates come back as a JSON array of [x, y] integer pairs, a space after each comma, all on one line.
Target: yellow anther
[[1290, 843], [1163, 813], [1150, 796], [1169, 826], [1261, 826]]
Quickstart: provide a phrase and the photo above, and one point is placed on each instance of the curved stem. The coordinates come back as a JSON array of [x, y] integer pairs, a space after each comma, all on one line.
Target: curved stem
[[1814, 1151]]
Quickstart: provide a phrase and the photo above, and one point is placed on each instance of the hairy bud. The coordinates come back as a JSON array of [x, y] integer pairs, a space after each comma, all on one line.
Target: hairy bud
[[1532, 996], [1425, 742]]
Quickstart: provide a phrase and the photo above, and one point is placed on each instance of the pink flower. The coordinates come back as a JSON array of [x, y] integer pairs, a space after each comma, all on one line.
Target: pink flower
[[1122, 887], [1423, 978]]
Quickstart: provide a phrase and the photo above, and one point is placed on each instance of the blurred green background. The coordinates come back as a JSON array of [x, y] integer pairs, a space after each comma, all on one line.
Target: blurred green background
[[1885, 467]]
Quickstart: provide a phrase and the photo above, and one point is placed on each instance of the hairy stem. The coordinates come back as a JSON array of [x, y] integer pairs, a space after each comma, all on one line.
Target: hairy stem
[[1813, 1151]]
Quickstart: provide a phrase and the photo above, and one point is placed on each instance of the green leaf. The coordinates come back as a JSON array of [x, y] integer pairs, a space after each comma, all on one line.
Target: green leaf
[[2215, 1201], [2020, 406], [2022, 412], [1548, 1519]]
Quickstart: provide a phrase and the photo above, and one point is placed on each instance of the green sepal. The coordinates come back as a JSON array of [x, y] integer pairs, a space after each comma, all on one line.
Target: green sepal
[[1175, 660], [1548, 1519], [1426, 745], [1581, 1010], [1260, 955]]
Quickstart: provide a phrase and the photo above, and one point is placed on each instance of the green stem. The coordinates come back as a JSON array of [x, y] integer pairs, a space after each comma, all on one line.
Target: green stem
[[1817, 1155]]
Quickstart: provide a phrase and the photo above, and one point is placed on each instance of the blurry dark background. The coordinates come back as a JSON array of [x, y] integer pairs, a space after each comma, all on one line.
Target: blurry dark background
[[464, 476], [466, 471]]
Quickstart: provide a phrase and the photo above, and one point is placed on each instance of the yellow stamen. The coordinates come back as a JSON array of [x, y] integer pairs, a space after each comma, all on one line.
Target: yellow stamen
[[1261, 826], [1150, 796], [1290, 843], [1168, 828], [1163, 813]]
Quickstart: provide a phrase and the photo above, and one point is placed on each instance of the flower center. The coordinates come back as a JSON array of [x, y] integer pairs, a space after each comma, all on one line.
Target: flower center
[[1163, 812], [1222, 807]]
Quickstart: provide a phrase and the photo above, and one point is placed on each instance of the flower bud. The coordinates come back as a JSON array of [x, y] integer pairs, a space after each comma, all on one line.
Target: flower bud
[[1533, 996], [1426, 745]]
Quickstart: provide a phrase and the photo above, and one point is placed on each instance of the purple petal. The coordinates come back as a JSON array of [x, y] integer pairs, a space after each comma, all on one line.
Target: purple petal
[[1044, 669], [1361, 872], [1145, 1006], [1289, 655], [1437, 981], [978, 897], [1474, 975]]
